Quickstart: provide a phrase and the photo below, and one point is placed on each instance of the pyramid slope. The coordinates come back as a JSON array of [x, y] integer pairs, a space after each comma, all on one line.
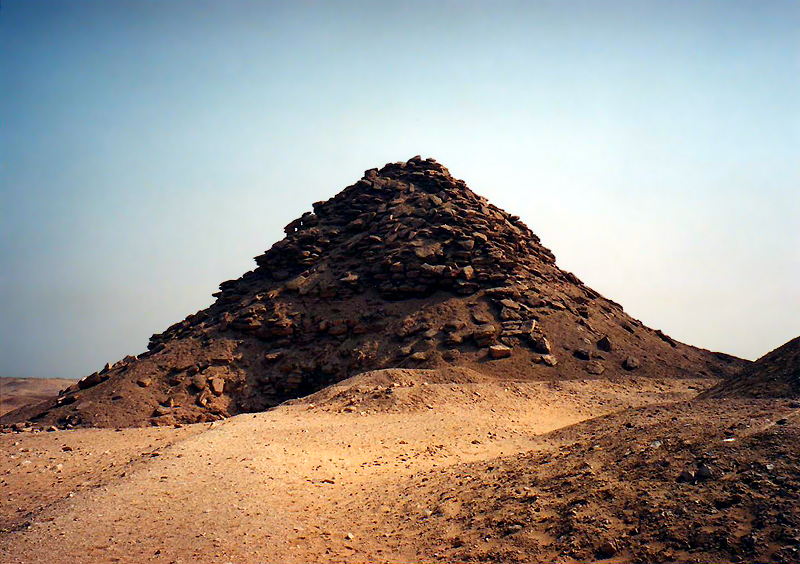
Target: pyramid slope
[[774, 375], [405, 268]]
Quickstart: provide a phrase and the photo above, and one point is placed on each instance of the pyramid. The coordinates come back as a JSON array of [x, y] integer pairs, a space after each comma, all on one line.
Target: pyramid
[[405, 268], [774, 375]]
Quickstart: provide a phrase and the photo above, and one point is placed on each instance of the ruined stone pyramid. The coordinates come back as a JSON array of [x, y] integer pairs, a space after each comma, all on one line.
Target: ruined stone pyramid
[[405, 268]]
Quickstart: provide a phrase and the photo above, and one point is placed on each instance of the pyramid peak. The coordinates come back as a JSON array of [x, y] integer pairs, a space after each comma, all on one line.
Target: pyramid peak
[[414, 212], [414, 168]]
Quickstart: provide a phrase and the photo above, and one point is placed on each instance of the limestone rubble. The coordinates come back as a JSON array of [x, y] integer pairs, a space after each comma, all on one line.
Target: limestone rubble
[[405, 268]]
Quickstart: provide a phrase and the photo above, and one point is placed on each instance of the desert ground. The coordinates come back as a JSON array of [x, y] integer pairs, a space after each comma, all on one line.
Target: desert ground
[[16, 392], [421, 466]]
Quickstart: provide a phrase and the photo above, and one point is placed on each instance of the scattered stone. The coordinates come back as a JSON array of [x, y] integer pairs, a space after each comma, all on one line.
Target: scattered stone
[[540, 344], [480, 317], [427, 344], [685, 476], [466, 244], [510, 304], [419, 356], [217, 386], [507, 314], [452, 326], [450, 355], [485, 335], [273, 356], [199, 381], [499, 351], [528, 328], [607, 549], [667, 339], [582, 354], [66, 400], [595, 367], [427, 251], [630, 363], [161, 411], [144, 382], [204, 398], [454, 339], [549, 360], [604, 344], [90, 381], [703, 473]]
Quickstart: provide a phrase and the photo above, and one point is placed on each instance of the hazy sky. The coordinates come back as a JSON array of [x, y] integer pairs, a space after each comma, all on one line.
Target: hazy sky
[[150, 149]]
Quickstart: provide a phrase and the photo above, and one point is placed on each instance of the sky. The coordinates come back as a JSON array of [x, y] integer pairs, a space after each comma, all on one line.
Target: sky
[[150, 149]]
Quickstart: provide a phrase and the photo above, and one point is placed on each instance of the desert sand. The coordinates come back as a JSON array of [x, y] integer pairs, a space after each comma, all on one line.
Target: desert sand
[[409, 466], [16, 392]]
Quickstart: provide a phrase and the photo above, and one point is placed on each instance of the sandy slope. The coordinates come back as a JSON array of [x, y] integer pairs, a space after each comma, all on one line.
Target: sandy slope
[[613, 483], [304, 482], [774, 375]]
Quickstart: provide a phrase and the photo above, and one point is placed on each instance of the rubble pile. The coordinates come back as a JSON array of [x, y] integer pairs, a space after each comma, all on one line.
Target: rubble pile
[[405, 268]]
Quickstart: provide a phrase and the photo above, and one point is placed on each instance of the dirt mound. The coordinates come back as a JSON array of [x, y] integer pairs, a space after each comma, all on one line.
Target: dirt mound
[[679, 483], [453, 390], [774, 375], [16, 392], [521, 474], [395, 390], [407, 268]]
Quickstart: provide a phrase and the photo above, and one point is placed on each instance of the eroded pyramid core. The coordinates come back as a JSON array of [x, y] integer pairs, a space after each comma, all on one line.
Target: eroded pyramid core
[[405, 268]]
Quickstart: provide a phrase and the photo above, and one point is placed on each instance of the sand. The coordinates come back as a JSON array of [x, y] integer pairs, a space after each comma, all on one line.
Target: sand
[[433, 471], [289, 485], [16, 392]]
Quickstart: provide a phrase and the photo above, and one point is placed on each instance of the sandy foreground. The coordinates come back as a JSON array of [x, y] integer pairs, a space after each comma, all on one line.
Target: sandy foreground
[[341, 480]]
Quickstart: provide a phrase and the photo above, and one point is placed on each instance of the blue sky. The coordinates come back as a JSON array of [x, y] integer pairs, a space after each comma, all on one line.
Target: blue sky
[[150, 149]]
